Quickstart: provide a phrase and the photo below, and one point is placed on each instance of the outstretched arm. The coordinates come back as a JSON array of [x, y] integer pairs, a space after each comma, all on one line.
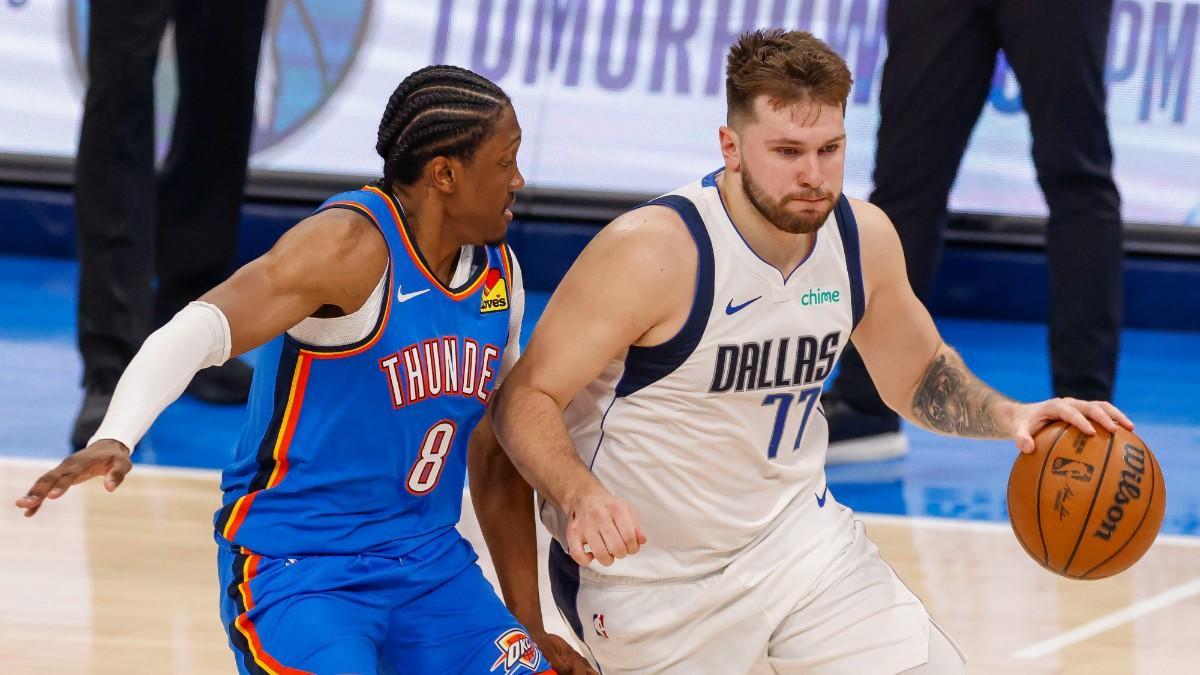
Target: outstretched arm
[[921, 377], [332, 260]]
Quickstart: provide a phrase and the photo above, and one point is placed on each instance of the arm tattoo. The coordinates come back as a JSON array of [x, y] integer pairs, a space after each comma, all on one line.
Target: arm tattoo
[[950, 399]]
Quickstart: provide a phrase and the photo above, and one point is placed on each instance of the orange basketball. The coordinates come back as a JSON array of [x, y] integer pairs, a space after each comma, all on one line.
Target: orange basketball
[[1086, 507]]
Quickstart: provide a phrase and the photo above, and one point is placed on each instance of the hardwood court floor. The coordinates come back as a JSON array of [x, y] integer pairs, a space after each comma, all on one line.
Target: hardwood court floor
[[125, 583]]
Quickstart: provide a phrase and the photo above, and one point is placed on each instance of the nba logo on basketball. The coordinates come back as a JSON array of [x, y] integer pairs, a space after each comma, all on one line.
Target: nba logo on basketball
[[517, 652], [598, 624], [495, 293]]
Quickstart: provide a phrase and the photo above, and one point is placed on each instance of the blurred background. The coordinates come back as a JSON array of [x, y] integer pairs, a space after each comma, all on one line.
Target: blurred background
[[620, 100]]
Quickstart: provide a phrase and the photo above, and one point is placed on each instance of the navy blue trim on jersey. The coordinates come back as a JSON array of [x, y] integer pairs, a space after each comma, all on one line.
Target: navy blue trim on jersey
[[362, 210], [564, 586], [600, 442], [380, 316], [266, 445], [411, 238], [646, 365], [848, 229], [479, 265], [711, 181], [240, 644], [224, 516]]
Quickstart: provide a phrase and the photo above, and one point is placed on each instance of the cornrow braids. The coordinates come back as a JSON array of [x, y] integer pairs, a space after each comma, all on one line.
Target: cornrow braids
[[436, 111]]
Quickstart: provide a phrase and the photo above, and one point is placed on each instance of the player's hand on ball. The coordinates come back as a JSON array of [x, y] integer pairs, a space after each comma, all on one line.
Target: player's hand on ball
[[562, 658], [1028, 418], [602, 527], [106, 458]]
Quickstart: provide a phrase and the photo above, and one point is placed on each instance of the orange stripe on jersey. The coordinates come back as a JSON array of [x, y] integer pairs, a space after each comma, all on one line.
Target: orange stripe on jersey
[[283, 441], [239, 514], [387, 312], [357, 208], [504, 253], [416, 258], [387, 305], [290, 415], [249, 571], [475, 286], [246, 627]]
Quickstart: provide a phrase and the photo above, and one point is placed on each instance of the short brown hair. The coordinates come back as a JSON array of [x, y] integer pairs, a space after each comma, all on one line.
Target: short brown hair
[[789, 66]]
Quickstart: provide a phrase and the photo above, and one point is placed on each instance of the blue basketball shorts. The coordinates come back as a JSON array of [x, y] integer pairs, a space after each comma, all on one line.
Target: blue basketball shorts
[[429, 611]]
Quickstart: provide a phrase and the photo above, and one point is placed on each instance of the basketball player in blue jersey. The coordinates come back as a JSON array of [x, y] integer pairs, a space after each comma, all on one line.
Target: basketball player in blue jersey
[[667, 407], [385, 322]]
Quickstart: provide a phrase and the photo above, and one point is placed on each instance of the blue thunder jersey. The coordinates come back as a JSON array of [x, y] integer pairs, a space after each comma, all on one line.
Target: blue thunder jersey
[[363, 447]]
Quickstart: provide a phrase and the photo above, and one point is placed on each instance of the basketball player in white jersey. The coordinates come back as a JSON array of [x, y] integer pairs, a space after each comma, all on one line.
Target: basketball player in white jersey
[[667, 409]]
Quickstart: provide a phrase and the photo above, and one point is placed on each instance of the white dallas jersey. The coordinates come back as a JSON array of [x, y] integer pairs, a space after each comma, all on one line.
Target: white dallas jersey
[[718, 434]]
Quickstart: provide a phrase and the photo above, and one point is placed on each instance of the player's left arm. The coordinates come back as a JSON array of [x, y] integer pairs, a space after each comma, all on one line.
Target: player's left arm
[[921, 377], [503, 503]]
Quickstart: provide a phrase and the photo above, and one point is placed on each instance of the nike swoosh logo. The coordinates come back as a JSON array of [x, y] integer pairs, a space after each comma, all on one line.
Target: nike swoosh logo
[[822, 497], [401, 296], [731, 309]]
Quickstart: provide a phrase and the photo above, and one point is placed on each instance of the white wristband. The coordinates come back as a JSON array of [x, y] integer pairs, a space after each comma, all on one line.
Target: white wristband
[[196, 338]]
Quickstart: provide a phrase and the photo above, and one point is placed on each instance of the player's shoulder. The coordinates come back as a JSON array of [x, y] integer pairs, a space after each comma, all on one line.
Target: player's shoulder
[[882, 255], [645, 256], [870, 218], [334, 249], [876, 232], [650, 231], [341, 232]]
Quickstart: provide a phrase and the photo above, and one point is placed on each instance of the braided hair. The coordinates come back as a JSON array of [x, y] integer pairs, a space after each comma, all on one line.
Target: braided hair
[[437, 111]]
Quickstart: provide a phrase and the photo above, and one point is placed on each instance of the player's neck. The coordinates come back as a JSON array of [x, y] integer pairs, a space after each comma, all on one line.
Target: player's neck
[[431, 234], [782, 250]]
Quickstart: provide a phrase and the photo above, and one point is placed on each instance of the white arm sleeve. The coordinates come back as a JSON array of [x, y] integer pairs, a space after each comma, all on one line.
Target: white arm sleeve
[[516, 313], [196, 338]]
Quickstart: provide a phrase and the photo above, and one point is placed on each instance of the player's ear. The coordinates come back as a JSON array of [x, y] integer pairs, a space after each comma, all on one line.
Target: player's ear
[[729, 148], [443, 173]]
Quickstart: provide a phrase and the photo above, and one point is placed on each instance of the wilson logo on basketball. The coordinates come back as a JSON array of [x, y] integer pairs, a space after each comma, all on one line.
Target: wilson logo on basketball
[[495, 293], [1129, 488]]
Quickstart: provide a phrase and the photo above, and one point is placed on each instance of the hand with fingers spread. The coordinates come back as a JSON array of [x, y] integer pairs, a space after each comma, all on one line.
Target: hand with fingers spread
[[564, 659], [1026, 419], [602, 527], [106, 458]]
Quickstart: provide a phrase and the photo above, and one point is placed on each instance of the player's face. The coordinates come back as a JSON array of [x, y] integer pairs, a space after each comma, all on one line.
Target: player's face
[[491, 180], [791, 159]]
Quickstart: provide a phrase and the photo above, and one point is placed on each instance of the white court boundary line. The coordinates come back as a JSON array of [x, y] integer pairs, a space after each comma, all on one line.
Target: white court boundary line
[[986, 526], [915, 522], [1109, 621]]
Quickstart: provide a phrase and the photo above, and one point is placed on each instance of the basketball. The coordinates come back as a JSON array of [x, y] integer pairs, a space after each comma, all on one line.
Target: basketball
[[1086, 507]]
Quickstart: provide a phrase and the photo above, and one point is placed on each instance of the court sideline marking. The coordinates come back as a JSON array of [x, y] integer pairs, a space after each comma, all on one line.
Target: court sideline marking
[[1109, 621]]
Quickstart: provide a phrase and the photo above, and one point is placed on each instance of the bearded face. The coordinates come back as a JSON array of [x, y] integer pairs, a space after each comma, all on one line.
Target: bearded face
[[791, 158], [806, 217]]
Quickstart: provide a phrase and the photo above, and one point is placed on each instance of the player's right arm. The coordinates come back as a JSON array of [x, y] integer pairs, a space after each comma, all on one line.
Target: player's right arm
[[632, 284], [328, 263], [922, 378]]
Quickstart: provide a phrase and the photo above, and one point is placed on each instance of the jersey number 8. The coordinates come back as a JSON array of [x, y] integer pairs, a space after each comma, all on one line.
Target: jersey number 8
[[425, 473]]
